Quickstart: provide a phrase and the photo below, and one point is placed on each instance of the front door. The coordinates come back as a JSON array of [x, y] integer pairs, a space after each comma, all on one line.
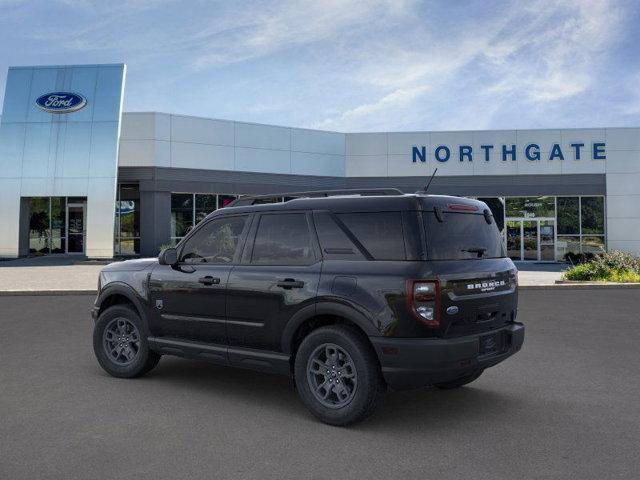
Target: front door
[[278, 276], [188, 300], [531, 239], [75, 227]]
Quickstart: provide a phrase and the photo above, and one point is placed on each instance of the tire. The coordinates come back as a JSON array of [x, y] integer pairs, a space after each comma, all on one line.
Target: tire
[[354, 390], [459, 382], [131, 358]]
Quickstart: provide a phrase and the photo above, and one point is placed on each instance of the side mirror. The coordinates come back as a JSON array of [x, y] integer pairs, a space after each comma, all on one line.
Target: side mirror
[[168, 256]]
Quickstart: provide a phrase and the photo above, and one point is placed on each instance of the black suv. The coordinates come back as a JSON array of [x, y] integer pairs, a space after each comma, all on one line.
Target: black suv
[[348, 293]]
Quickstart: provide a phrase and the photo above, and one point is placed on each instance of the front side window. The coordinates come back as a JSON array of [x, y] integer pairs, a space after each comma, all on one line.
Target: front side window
[[216, 242], [462, 236], [283, 239]]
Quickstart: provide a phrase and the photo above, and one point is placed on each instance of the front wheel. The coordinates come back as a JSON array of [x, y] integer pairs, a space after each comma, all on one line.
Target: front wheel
[[120, 343], [338, 376]]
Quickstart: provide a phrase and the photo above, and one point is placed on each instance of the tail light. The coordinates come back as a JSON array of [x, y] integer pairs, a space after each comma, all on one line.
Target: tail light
[[423, 298], [461, 207], [513, 278]]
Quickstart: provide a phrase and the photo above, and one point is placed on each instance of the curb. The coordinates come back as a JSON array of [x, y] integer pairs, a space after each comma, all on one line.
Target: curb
[[22, 293]]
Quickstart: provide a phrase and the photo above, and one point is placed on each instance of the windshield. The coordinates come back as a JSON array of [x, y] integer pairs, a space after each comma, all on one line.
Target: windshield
[[462, 236]]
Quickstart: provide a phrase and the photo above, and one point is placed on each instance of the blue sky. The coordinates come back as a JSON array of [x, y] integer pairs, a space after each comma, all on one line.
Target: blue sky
[[377, 65]]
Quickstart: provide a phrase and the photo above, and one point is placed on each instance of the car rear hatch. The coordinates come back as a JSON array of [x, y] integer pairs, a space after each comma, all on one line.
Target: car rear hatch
[[477, 283]]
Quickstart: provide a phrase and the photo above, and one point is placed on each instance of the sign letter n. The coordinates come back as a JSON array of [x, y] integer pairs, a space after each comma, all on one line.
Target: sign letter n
[[419, 153]]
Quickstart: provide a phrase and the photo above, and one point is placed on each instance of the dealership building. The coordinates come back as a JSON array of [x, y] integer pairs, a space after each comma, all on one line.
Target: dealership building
[[80, 176]]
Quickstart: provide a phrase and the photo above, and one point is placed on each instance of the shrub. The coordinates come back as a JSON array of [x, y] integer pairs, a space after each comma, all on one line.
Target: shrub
[[615, 266], [578, 258], [617, 260]]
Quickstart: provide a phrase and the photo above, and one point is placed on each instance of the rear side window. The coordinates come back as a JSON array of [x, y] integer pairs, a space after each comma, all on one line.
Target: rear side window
[[380, 233], [461, 236], [283, 239], [334, 241]]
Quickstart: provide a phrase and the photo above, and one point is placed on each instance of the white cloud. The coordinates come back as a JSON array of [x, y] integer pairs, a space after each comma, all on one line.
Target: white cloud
[[538, 54], [351, 64], [287, 24]]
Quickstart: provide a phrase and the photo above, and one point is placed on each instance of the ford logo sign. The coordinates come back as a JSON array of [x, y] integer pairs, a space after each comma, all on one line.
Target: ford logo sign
[[61, 102], [452, 310]]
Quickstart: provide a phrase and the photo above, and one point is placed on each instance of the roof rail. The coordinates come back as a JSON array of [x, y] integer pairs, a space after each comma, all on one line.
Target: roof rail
[[253, 199]]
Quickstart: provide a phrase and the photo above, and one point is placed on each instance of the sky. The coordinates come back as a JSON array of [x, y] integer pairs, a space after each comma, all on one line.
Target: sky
[[348, 65]]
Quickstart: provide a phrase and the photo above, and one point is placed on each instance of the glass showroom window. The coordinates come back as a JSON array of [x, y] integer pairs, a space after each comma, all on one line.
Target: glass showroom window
[[592, 224], [580, 225], [205, 204], [48, 225], [39, 225], [127, 228], [530, 207], [188, 209], [568, 226]]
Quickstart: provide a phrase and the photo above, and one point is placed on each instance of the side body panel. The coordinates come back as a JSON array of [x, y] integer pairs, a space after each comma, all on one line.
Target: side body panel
[[182, 307]]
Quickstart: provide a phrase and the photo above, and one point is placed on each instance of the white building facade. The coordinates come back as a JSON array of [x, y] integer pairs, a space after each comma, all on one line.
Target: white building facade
[[553, 191]]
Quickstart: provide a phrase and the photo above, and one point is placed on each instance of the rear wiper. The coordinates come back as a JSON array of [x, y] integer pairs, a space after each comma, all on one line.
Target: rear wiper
[[479, 250]]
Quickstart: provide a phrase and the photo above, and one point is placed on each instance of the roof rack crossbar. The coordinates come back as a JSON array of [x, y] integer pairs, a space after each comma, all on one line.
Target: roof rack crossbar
[[252, 199]]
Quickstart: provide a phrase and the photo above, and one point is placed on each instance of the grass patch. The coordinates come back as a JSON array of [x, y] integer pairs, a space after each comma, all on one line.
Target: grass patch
[[587, 272]]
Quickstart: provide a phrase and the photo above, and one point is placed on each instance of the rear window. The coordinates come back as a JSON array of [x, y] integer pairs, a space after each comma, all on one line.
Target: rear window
[[461, 236]]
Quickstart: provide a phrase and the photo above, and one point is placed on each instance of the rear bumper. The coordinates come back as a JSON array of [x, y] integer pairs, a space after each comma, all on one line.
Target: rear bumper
[[415, 362]]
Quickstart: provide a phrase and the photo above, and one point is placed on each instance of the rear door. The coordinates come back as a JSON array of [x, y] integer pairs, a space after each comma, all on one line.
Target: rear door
[[277, 277]]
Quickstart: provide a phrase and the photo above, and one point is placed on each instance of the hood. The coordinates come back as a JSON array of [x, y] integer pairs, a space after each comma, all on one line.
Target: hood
[[135, 265]]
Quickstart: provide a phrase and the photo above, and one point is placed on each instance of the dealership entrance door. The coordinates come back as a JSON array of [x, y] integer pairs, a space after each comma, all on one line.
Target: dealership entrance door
[[531, 239], [76, 220]]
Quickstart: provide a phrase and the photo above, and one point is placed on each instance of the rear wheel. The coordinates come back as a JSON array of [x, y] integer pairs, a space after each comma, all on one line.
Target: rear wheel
[[120, 343], [338, 376], [459, 382]]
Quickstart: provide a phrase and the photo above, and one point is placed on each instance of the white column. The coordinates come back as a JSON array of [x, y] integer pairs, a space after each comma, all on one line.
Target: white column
[[623, 189]]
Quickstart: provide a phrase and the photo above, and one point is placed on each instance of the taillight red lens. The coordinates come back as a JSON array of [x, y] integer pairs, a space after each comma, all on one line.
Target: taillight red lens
[[423, 297]]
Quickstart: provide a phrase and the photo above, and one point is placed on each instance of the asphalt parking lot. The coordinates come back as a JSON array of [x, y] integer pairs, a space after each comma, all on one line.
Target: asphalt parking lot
[[567, 406]]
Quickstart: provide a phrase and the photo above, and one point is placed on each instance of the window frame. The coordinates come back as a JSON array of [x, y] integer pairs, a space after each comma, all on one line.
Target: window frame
[[241, 242], [247, 254]]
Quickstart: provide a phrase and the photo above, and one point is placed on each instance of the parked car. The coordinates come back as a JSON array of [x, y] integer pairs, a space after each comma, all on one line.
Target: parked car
[[349, 293]]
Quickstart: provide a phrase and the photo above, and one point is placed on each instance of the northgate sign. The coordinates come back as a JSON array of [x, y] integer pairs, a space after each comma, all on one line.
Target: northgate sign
[[531, 152]]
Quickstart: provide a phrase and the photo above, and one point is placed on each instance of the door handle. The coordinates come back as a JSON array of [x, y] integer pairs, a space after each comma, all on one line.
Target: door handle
[[209, 280], [289, 283]]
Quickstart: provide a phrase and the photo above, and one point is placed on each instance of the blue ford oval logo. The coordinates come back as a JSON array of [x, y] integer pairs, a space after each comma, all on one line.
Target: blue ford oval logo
[[61, 102], [452, 310]]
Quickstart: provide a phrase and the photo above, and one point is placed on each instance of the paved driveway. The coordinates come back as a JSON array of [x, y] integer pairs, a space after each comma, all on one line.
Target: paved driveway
[[565, 407], [62, 273]]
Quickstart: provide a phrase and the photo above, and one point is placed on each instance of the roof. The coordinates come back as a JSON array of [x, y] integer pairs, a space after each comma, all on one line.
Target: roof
[[357, 203]]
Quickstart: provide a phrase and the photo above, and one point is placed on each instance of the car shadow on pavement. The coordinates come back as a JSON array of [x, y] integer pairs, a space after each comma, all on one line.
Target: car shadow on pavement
[[401, 411]]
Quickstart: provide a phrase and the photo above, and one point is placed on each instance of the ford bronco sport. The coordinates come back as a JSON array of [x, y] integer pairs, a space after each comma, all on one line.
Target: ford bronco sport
[[349, 293]]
